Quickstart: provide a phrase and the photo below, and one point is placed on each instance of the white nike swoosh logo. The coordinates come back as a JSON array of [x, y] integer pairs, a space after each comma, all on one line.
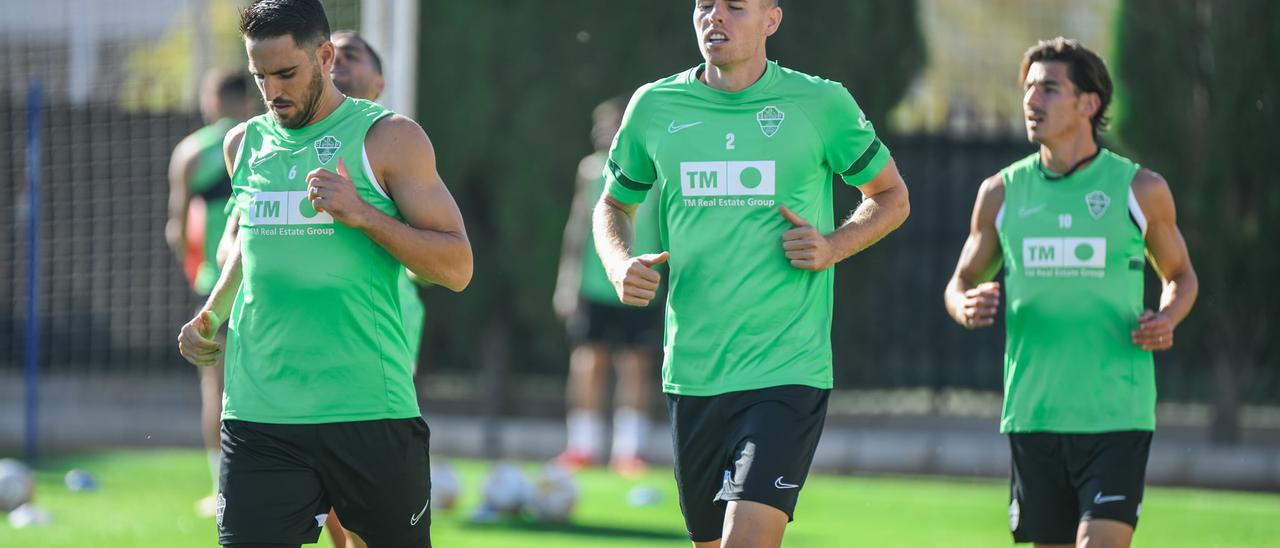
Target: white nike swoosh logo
[[1099, 499], [1028, 211], [674, 128], [413, 520], [780, 485], [258, 161], [862, 122]]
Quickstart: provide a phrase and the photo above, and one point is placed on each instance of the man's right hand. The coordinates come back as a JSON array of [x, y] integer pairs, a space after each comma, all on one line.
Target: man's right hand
[[635, 280], [979, 305], [195, 341]]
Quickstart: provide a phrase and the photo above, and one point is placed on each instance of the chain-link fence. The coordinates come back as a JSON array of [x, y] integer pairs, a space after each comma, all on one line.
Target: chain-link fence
[[118, 93]]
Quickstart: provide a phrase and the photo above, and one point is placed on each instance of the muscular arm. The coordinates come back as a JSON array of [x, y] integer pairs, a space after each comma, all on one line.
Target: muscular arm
[[885, 206], [196, 340], [433, 244], [971, 301], [224, 291], [228, 239], [1168, 253], [182, 165], [614, 225], [614, 228]]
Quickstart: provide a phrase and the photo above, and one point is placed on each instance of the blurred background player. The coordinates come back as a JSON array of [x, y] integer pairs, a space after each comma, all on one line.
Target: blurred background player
[[1073, 225], [601, 329], [198, 191]]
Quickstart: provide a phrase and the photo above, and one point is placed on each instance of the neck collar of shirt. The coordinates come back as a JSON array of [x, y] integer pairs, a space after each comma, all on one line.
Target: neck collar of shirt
[[1079, 173], [747, 94]]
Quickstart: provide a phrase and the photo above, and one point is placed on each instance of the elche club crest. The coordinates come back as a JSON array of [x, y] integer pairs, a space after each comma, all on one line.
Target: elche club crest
[[1098, 202], [220, 509], [770, 119], [326, 147]]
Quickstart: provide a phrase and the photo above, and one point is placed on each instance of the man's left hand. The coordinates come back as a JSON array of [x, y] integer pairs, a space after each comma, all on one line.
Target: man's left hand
[[806, 248], [1154, 332], [335, 194]]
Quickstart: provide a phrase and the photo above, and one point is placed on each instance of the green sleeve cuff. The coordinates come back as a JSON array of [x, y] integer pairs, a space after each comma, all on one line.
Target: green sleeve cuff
[[624, 194], [867, 166], [623, 188]]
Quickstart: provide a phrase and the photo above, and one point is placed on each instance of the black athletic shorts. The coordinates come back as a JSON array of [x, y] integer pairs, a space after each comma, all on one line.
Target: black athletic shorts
[[619, 325], [754, 445], [1060, 480], [279, 481]]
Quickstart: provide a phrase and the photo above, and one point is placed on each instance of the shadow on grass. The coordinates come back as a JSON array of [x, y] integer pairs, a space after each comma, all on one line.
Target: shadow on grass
[[579, 529]]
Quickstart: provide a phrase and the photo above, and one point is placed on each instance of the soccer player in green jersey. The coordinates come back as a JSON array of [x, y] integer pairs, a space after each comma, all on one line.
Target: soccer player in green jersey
[[1074, 225], [336, 196], [601, 329], [742, 153], [198, 193], [357, 72]]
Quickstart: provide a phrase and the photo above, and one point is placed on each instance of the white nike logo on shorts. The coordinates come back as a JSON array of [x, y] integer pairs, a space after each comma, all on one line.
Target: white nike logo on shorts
[[780, 485], [1099, 499], [413, 520]]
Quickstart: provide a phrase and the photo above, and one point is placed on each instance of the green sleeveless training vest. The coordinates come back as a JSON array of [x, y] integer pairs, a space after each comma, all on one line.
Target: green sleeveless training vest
[[316, 333], [1074, 256]]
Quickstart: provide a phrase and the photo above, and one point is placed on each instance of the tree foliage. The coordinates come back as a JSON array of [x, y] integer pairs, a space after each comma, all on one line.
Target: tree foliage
[[506, 89], [1199, 102]]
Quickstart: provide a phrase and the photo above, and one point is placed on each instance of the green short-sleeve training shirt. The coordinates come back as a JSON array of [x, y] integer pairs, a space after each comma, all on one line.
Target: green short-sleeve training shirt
[[739, 316]]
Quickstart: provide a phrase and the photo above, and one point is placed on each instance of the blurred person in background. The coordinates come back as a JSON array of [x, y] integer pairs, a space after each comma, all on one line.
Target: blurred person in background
[[1074, 225], [743, 153], [602, 329], [198, 191], [320, 410]]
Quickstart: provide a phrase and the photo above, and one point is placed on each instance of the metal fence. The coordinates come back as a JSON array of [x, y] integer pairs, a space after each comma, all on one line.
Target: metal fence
[[112, 295]]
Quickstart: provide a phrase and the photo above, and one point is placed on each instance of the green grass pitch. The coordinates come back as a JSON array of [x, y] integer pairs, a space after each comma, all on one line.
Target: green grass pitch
[[145, 500]]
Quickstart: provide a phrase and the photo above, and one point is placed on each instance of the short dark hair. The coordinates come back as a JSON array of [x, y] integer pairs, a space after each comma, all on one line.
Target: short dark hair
[[304, 20], [1085, 69], [232, 86], [373, 54]]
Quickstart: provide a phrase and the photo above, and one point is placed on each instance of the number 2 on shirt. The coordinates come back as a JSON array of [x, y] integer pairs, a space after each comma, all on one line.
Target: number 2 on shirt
[[728, 141]]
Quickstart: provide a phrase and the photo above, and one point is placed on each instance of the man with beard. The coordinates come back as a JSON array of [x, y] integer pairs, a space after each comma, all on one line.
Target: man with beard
[[335, 197]]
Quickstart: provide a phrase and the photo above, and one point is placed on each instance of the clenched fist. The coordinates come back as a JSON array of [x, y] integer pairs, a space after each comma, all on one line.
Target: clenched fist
[[195, 340], [635, 280]]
